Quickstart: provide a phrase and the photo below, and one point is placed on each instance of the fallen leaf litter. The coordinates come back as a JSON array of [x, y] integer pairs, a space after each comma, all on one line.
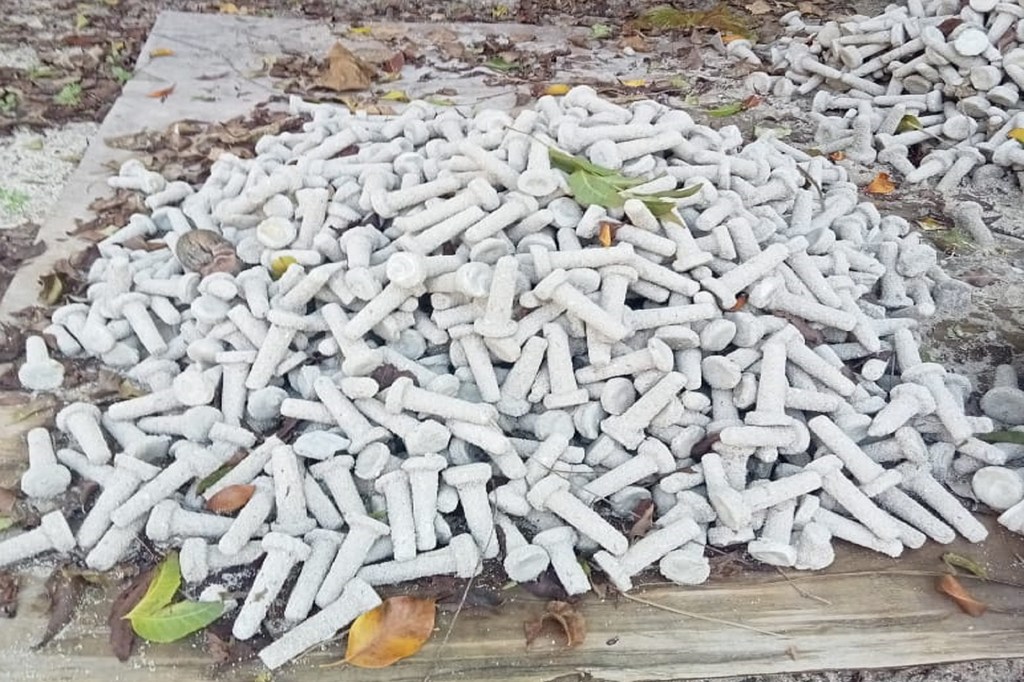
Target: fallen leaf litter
[[490, 360]]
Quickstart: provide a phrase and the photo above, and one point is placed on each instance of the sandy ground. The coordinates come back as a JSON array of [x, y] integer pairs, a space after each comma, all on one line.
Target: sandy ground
[[40, 146]]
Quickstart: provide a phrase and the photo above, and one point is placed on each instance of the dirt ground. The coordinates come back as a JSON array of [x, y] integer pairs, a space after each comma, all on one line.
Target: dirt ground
[[62, 63]]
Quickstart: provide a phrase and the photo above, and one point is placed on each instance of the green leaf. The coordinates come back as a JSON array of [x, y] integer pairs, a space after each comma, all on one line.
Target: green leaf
[[205, 484], [161, 591], [13, 200], [177, 620], [589, 189], [663, 210], [955, 561], [570, 163], [673, 193], [909, 123], [121, 74], [1015, 437], [621, 182], [726, 110], [70, 95], [6, 522], [8, 103], [599, 31], [501, 64]]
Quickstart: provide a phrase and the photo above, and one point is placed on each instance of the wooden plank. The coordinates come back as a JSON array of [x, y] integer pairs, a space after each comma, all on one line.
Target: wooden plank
[[879, 615]]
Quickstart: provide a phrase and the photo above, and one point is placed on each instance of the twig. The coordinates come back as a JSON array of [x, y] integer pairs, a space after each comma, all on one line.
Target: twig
[[697, 616], [801, 591]]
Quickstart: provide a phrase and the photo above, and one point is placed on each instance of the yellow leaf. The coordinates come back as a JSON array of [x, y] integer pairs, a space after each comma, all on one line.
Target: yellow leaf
[[556, 89], [500, 11], [228, 8], [929, 224], [280, 265], [396, 629], [909, 123], [52, 288], [635, 83], [1016, 134], [161, 52], [395, 96], [882, 184], [126, 389], [81, 21], [359, 30]]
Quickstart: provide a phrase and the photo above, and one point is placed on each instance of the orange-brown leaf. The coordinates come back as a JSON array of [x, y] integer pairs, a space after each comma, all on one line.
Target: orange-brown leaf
[[881, 184], [837, 156], [162, 93], [231, 499], [741, 300], [951, 587], [606, 234], [568, 618], [396, 629], [751, 102]]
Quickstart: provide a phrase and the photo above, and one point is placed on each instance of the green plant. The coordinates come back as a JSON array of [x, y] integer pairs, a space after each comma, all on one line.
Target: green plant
[[13, 200], [70, 95], [8, 102], [121, 74]]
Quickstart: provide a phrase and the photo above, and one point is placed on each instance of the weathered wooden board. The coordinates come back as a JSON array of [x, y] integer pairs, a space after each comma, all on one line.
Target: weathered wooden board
[[866, 611]]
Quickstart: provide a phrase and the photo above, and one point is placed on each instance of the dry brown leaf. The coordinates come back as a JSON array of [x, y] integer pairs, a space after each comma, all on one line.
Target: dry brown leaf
[[810, 8], [837, 156], [568, 618], [759, 7], [396, 629], [394, 64], [162, 93], [644, 515], [231, 499], [751, 102], [951, 587], [881, 184], [345, 71], [636, 42], [122, 636], [65, 591]]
